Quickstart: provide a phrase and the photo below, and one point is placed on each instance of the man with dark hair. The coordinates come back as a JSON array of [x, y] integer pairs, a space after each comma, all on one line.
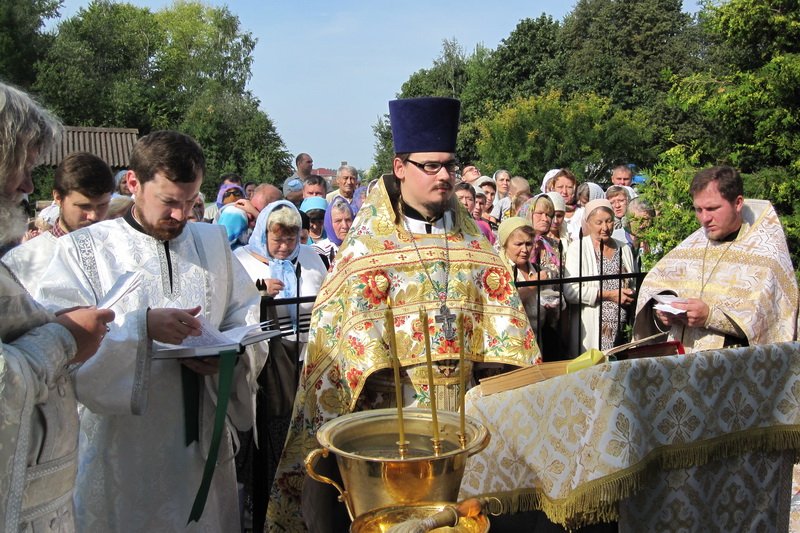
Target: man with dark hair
[[315, 185], [231, 179], [148, 422], [733, 277], [82, 191], [303, 165], [414, 249]]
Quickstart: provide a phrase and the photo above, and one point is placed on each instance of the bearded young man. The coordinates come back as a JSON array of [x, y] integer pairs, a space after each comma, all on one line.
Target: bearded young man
[[412, 245], [734, 275], [82, 190], [148, 422]]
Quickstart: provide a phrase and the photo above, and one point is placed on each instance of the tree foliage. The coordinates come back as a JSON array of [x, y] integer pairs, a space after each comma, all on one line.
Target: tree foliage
[[585, 133], [384, 154], [22, 41], [527, 62], [639, 81], [183, 67]]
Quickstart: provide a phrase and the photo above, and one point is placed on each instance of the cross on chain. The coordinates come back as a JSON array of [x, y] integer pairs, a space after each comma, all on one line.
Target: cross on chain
[[446, 319]]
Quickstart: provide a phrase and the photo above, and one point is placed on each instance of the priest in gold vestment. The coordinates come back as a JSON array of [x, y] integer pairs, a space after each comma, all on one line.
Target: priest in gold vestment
[[734, 275], [411, 245]]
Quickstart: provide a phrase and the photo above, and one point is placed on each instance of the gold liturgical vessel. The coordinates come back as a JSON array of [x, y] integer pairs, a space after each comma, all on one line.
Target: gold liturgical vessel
[[400, 465]]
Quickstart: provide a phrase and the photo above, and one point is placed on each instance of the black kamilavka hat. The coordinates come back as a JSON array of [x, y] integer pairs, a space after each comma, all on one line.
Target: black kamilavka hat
[[424, 124]]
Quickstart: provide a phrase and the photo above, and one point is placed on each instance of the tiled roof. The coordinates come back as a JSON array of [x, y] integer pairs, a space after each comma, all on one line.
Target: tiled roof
[[112, 145]]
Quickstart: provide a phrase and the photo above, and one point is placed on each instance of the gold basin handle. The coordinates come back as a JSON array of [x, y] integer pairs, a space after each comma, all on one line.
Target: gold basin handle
[[481, 446], [311, 459]]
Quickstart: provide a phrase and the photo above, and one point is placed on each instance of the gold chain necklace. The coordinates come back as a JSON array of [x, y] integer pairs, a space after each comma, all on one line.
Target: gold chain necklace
[[445, 317], [711, 274]]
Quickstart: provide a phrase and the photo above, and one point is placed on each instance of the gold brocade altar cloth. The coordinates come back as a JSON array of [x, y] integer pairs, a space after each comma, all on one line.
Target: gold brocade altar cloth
[[703, 441]]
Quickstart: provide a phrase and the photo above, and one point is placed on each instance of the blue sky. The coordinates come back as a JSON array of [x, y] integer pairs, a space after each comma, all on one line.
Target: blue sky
[[325, 70]]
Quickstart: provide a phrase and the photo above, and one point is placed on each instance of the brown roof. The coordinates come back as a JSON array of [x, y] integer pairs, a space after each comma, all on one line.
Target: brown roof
[[112, 145]]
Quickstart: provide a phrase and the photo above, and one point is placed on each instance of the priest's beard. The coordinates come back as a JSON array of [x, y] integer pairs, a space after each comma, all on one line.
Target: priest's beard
[[163, 230], [437, 209], [13, 222]]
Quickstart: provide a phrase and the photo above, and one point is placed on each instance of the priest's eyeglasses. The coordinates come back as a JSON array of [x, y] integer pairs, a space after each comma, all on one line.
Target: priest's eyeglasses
[[433, 167]]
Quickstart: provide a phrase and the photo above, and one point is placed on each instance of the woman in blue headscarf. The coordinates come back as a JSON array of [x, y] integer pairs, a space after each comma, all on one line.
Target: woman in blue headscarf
[[275, 259], [281, 267]]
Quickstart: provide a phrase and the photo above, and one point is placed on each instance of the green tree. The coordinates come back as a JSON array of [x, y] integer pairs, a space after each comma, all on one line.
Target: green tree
[[527, 62], [202, 44], [236, 136], [184, 67], [22, 41], [624, 49], [99, 68], [384, 153], [447, 77], [585, 133], [751, 109], [748, 101]]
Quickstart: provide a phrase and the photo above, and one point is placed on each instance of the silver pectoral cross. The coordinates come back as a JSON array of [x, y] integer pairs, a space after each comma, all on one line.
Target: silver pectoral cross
[[446, 319]]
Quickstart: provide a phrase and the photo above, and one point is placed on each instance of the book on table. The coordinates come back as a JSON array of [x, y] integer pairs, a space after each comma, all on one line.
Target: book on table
[[653, 346], [212, 342]]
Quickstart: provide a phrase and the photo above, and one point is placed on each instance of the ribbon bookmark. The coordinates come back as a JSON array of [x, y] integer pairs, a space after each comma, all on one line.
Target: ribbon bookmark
[[227, 362]]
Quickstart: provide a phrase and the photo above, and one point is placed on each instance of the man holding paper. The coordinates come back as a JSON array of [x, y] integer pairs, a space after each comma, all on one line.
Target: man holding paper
[[148, 426], [731, 281]]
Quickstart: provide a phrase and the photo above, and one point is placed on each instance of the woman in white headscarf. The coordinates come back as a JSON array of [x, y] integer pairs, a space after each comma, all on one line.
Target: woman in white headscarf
[[598, 308]]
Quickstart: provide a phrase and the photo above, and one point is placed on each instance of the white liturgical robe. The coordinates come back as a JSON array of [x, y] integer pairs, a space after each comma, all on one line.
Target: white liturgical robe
[[136, 472], [29, 260]]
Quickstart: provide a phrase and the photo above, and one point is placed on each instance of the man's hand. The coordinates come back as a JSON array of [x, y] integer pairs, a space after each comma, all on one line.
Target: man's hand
[[207, 366], [696, 312], [247, 206], [88, 326], [172, 326], [668, 319]]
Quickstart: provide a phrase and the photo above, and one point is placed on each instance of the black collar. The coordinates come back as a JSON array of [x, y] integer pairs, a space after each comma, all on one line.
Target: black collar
[[410, 212]]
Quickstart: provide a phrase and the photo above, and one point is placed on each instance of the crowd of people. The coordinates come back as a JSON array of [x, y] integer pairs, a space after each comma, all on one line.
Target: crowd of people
[[426, 235]]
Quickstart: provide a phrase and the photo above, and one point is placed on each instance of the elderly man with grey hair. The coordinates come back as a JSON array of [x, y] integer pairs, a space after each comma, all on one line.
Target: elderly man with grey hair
[[39, 414], [347, 181]]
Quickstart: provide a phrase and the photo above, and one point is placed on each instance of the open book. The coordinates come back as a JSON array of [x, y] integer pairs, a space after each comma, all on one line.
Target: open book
[[213, 342], [654, 345]]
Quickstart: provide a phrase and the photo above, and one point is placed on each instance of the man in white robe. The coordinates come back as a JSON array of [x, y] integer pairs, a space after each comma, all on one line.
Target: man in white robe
[[143, 443], [82, 189]]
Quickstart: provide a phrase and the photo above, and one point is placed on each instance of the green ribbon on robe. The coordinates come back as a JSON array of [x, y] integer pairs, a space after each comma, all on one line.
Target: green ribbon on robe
[[191, 383], [227, 362]]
